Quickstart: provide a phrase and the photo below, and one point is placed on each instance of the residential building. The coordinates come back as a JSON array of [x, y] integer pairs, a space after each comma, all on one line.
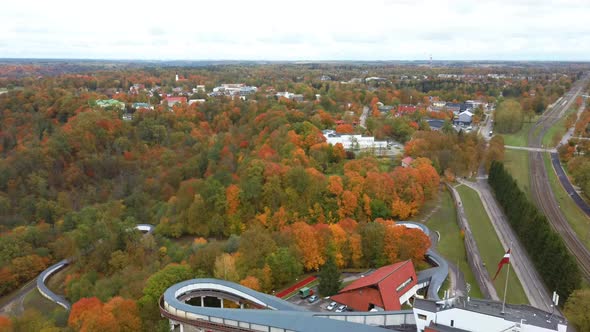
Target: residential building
[[172, 100], [435, 124], [385, 289], [407, 161], [351, 142], [467, 314], [233, 90], [199, 101], [289, 95], [142, 105], [464, 118], [110, 104], [405, 109]]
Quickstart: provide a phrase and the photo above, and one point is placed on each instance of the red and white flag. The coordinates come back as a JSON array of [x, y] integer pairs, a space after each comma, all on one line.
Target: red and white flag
[[505, 260]]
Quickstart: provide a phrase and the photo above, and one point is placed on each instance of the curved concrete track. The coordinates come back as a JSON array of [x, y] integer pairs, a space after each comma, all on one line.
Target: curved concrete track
[[58, 299], [540, 186], [279, 316], [436, 275], [283, 315]]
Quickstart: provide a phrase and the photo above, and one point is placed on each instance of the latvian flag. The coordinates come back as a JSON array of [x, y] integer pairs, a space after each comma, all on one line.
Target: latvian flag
[[505, 260]]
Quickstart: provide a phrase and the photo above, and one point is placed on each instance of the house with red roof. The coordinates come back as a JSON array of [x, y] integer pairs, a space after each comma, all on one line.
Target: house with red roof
[[385, 289], [407, 161], [406, 109], [175, 100]]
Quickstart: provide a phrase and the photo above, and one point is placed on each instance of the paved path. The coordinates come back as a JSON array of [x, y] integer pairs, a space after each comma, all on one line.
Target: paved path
[[528, 148], [15, 304], [473, 256], [363, 119], [530, 279]]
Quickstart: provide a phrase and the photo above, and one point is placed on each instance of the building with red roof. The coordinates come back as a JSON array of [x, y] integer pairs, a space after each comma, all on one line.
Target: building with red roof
[[406, 109], [386, 288], [175, 100]]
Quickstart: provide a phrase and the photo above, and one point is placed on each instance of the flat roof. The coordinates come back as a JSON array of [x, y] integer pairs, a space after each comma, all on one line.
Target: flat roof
[[513, 312]]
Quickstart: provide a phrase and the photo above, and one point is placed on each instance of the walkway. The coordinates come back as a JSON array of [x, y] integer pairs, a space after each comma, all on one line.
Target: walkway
[[473, 256], [526, 148], [530, 279]]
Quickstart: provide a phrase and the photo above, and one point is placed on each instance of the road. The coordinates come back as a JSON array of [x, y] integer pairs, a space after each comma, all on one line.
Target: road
[[567, 185], [15, 302], [540, 186], [363, 119], [473, 256], [530, 279], [486, 127]]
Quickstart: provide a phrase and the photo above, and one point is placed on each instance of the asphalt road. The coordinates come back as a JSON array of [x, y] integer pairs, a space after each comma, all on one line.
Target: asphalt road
[[14, 303], [567, 185], [530, 279], [540, 186]]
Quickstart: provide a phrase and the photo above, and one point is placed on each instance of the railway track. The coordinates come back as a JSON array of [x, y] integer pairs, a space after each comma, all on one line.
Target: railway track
[[540, 186]]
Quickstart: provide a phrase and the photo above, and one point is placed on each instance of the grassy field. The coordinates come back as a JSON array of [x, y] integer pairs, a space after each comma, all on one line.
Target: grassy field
[[34, 300], [576, 218], [520, 138], [451, 244], [557, 129], [489, 245], [517, 163]]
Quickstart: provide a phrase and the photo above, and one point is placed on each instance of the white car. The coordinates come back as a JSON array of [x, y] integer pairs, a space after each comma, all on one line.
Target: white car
[[341, 308], [331, 306]]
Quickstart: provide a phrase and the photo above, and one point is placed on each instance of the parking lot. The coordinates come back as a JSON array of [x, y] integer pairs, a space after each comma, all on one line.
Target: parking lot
[[319, 305]]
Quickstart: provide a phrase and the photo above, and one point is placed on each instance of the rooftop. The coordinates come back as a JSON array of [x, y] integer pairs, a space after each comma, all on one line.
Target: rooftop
[[513, 312], [375, 277]]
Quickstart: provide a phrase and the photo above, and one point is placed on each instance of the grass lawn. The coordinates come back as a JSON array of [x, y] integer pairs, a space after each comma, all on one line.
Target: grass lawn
[[489, 245], [34, 300], [517, 163], [576, 218], [451, 245], [519, 138], [557, 129]]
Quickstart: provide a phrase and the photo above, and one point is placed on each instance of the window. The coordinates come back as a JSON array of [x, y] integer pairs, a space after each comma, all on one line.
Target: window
[[404, 284], [452, 323], [421, 316]]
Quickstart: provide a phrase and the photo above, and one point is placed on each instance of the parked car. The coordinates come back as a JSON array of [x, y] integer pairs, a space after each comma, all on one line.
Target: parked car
[[312, 299], [331, 306], [341, 308]]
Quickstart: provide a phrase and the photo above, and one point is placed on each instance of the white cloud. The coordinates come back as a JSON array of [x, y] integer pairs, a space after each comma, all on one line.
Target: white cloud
[[297, 30]]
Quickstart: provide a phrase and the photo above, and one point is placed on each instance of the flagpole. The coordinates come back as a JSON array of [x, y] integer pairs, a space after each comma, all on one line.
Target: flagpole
[[506, 288]]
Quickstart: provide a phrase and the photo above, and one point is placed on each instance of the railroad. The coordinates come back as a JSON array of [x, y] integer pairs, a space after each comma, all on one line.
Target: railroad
[[540, 186]]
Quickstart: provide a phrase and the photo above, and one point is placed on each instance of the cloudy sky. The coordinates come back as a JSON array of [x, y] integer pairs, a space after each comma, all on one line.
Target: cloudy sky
[[297, 29]]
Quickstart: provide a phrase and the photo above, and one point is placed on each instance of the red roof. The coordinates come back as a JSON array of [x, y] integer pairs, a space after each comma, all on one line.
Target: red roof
[[375, 277], [407, 160], [379, 288], [176, 99], [406, 108]]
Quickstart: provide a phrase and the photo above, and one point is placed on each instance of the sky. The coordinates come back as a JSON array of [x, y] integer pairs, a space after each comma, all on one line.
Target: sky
[[297, 30]]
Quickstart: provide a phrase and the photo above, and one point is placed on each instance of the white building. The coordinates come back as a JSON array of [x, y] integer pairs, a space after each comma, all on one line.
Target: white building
[[351, 142], [464, 314]]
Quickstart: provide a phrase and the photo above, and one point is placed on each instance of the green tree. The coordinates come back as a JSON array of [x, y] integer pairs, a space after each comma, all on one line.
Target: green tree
[[577, 308], [509, 117], [155, 287], [329, 277], [284, 265]]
